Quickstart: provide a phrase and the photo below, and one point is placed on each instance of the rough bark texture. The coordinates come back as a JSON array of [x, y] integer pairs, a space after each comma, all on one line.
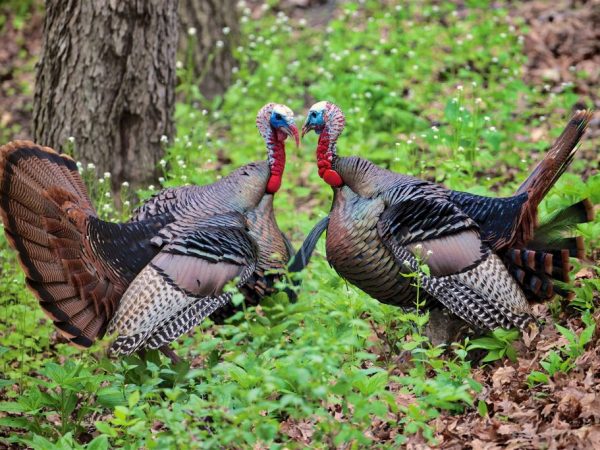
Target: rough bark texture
[[212, 61], [106, 76]]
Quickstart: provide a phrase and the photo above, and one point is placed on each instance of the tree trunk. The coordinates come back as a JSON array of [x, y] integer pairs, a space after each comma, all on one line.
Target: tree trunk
[[209, 31], [106, 77]]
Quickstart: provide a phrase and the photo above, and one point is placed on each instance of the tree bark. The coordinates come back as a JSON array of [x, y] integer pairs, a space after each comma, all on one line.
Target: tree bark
[[214, 27], [106, 77]]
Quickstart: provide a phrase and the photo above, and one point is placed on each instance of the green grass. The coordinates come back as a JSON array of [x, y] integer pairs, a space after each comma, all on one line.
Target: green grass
[[426, 91]]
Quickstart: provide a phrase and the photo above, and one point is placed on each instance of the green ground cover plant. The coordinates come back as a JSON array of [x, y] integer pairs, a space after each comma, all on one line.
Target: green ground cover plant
[[428, 90]]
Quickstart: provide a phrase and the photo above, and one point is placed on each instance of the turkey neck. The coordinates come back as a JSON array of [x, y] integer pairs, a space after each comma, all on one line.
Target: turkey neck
[[276, 160], [326, 156], [326, 152]]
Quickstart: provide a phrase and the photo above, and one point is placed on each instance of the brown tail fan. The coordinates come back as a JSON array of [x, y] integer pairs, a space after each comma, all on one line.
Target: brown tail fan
[[44, 205]]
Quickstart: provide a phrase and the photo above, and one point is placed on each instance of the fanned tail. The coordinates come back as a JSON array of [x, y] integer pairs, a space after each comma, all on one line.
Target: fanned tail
[[43, 204]]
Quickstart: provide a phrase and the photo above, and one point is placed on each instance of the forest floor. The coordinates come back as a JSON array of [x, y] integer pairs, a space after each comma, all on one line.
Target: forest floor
[[546, 395]]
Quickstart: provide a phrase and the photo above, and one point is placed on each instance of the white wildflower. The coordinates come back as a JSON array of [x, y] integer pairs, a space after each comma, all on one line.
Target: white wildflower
[[106, 174], [192, 31], [164, 139], [226, 30]]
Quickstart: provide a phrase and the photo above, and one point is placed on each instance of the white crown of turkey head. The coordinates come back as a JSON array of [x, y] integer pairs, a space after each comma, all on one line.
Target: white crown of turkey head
[[332, 117], [265, 114]]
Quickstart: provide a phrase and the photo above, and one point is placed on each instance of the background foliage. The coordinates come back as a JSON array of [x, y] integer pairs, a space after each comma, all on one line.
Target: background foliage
[[428, 88]]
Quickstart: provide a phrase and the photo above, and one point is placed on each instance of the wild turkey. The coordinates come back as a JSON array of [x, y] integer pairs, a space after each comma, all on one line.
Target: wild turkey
[[383, 224], [154, 278]]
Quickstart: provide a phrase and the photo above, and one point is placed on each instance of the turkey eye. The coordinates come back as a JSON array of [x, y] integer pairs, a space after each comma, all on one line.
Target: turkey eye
[[313, 114], [278, 116]]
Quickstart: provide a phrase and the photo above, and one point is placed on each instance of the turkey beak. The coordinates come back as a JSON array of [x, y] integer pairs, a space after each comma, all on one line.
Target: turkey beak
[[292, 130], [306, 128]]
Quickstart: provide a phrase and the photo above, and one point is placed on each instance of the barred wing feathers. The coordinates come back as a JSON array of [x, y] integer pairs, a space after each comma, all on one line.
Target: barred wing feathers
[[184, 283], [465, 275]]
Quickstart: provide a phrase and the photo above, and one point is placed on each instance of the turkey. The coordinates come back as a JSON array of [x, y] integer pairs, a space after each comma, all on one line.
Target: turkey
[[487, 256], [156, 277]]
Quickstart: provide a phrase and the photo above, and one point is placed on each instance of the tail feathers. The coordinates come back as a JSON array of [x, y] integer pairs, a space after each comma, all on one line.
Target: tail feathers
[[41, 195], [557, 159], [550, 234], [537, 271], [547, 172], [545, 260], [580, 212], [302, 257]]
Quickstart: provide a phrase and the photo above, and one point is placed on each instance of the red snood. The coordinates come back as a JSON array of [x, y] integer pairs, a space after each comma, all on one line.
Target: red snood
[[277, 166], [324, 159]]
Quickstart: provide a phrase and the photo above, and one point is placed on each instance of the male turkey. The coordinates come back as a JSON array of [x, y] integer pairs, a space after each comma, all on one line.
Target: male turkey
[[154, 278], [486, 256]]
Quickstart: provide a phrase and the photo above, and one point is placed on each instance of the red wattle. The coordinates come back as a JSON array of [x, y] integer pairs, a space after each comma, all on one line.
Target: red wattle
[[273, 184], [332, 178]]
